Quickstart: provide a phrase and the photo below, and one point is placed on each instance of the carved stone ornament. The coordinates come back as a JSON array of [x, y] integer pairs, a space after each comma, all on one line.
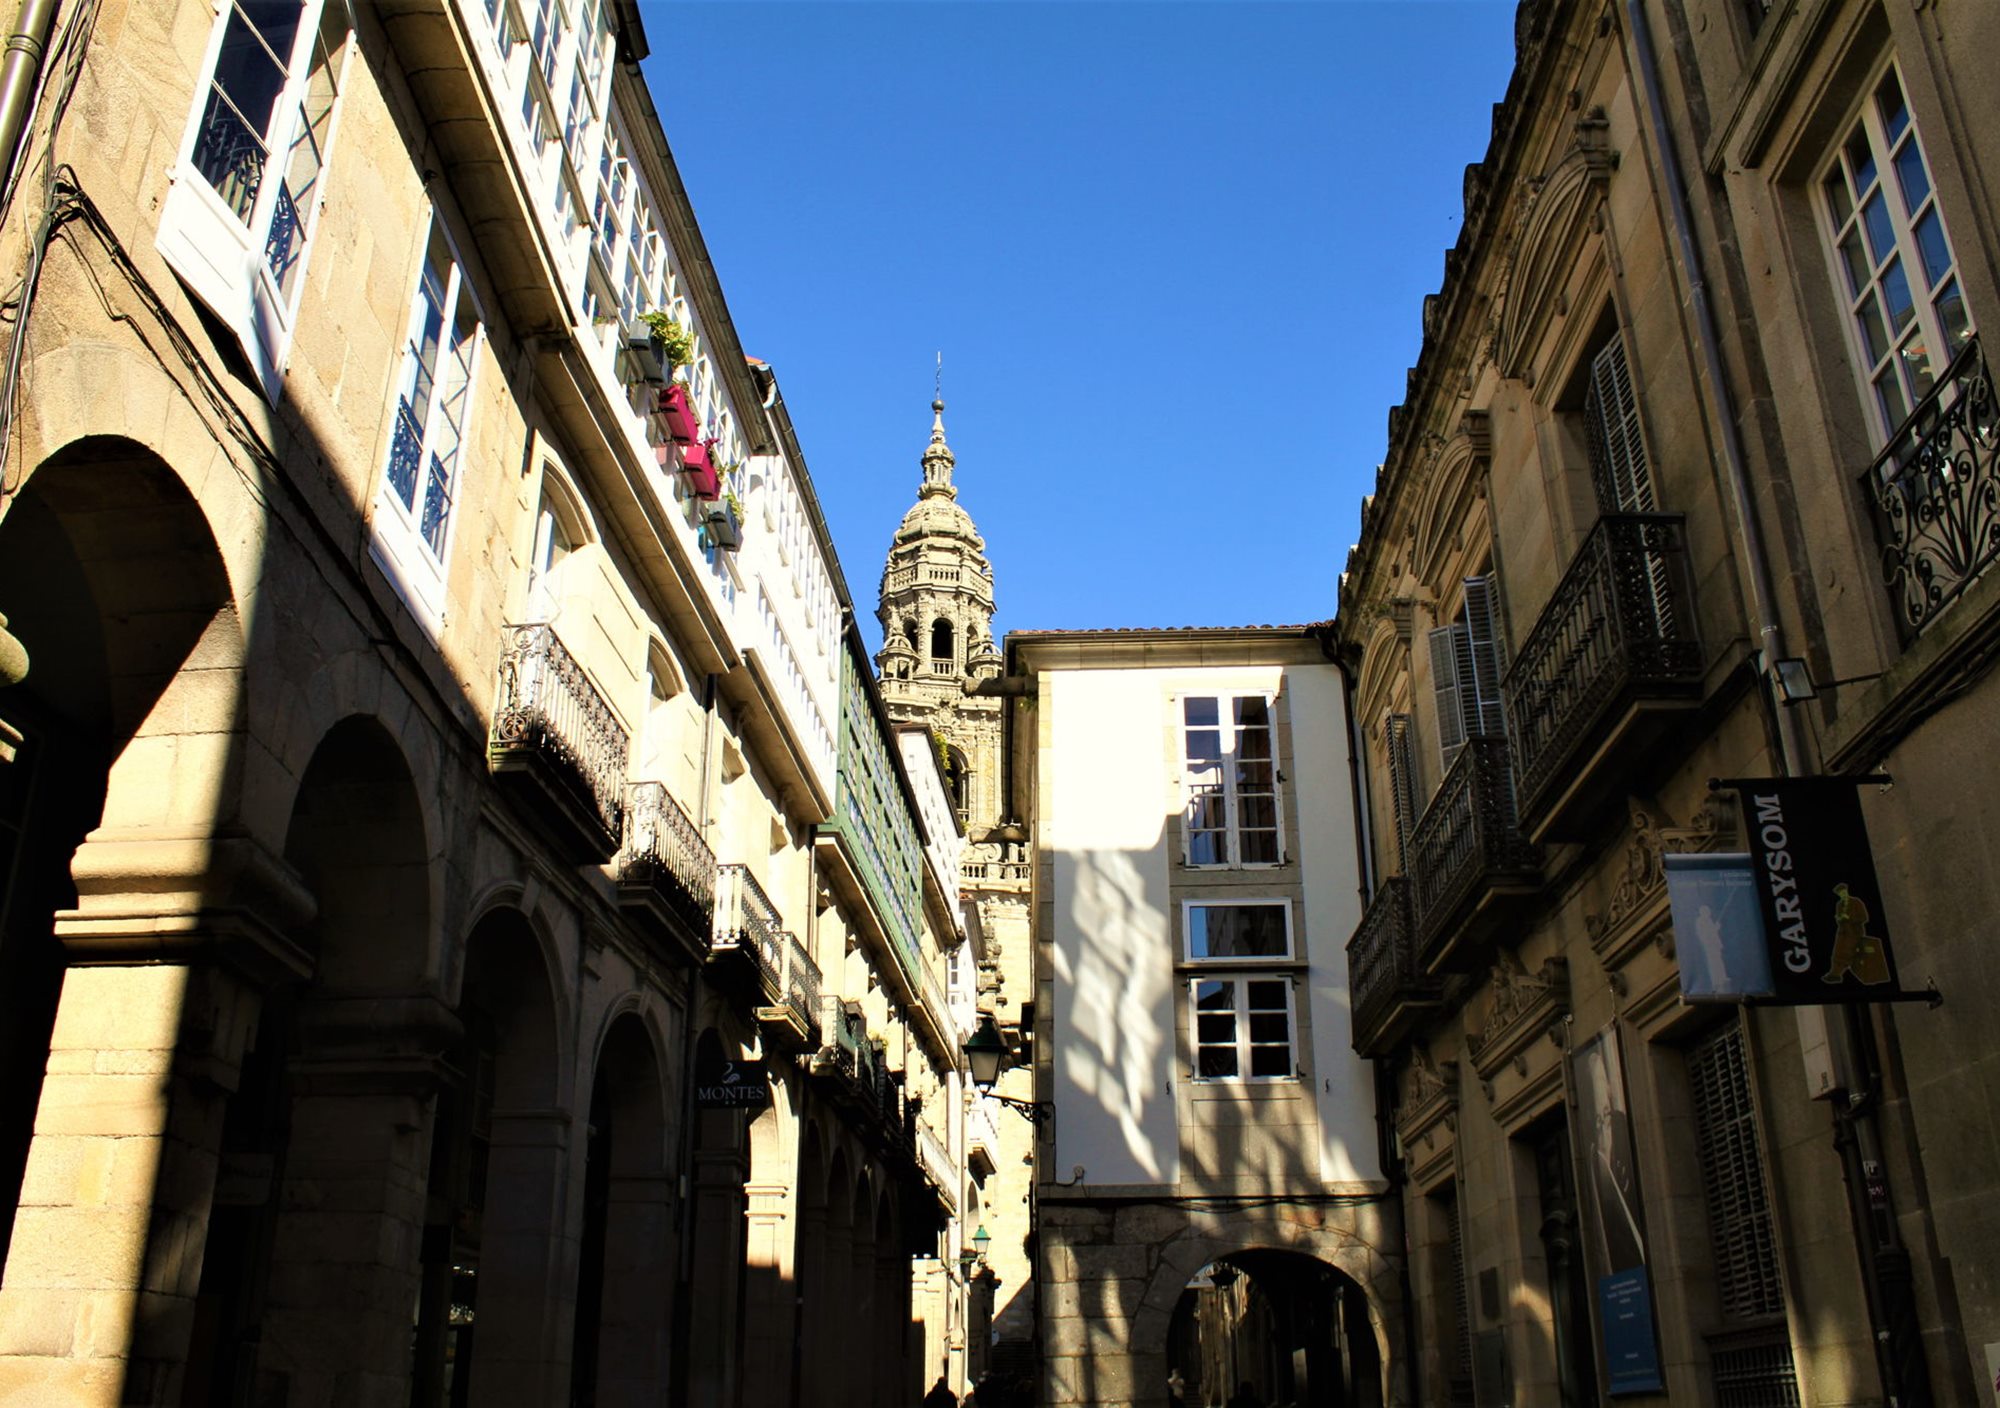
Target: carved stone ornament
[[1637, 909], [1427, 1123], [1523, 1006], [1557, 216]]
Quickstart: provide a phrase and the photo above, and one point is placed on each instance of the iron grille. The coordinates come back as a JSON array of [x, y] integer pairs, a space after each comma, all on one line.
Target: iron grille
[[1460, 1355], [1753, 1369], [1732, 1176], [1936, 493]]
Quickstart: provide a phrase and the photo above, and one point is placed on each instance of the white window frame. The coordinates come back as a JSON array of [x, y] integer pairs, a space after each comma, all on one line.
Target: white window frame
[[220, 255], [398, 542], [1929, 331], [1288, 957], [1232, 828], [1239, 980]]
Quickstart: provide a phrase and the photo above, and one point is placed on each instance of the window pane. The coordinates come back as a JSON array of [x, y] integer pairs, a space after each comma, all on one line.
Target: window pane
[[1872, 334], [1205, 811], [1951, 315], [1253, 743], [1253, 776], [1237, 931], [1838, 203], [1215, 1030], [1204, 745], [1918, 371], [1200, 712], [1911, 175], [1271, 1061], [1890, 390], [1253, 710], [1881, 233], [1258, 813], [1930, 241], [1267, 1028], [1268, 994], [1854, 261], [1259, 847], [1861, 157], [1216, 1062], [1213, 993], [1896, 294], [1889, 103]]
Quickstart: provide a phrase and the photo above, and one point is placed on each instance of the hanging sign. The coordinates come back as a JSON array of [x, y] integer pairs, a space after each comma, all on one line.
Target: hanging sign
[[1718, 926], [728, 1083], [1815, 881]]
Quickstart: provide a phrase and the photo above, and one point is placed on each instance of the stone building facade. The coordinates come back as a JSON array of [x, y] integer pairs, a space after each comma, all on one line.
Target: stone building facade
[[1703, 391], [1210, 1195], [469, 928]]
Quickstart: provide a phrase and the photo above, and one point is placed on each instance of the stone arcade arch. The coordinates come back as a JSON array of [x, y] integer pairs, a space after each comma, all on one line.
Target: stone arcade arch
[[324, 1128], [1293, 1327], [496, 1307], [115, 583], [625, 1266]]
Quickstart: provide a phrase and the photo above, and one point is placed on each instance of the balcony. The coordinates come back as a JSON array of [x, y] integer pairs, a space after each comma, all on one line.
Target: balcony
[[748, 939], [1610, 662], [1935, 492], [557, 745], [1469, 864], [666, 873], [934, 1158], [1386, 987]]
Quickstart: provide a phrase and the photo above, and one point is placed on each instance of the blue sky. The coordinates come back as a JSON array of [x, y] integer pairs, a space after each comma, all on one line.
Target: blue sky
[[1174, 255]]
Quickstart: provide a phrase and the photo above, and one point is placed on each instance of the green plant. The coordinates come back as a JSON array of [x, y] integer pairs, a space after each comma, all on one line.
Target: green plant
[[677, 341], [735, 504], [943, 751]]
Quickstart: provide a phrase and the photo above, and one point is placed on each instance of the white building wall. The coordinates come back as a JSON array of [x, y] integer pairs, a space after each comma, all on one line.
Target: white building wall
[[1113, 1014]]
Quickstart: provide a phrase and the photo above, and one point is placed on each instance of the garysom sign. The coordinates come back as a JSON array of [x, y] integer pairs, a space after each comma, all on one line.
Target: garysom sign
[[724, 1083], [1814, 877]]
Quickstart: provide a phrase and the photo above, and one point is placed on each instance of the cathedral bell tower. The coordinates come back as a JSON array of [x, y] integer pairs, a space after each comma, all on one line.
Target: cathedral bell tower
[[937, 630]]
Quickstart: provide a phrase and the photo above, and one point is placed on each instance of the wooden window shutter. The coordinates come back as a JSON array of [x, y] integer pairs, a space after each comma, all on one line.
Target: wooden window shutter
[[1611, 427], [1479, 674], [1402, 785], [1444, 682]]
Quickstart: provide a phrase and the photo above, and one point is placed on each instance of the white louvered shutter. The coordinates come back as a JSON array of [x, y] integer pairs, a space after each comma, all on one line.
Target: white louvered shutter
[[1479, 675], [1444, 681], [1402, 785], [1611, 422]]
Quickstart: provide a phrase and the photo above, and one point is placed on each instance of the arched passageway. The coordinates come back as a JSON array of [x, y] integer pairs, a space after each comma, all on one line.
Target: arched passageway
[[112, 581], [1291, 1328]]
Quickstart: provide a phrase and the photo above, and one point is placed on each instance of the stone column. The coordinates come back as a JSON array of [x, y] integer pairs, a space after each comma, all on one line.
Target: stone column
[[101, 1277], [636, 1313], [713, 1341], [346, 1258], [770, 1309], [526, 1306]]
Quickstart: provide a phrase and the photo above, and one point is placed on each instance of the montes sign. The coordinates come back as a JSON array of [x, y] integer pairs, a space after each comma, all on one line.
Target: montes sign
[[724, 1083]]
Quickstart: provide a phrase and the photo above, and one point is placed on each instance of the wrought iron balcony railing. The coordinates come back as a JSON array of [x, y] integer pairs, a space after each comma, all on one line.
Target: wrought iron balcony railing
[[549, 718], [1618, 630], [935, 1159], [1466, 849], [842, 1037], [664, 853], [747, 922], [1936, 493], [1384, 979], [802, 984]]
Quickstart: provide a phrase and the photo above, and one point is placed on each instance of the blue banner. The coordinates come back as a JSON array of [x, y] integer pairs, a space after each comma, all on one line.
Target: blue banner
[[1625, 1306], [1718, 927]]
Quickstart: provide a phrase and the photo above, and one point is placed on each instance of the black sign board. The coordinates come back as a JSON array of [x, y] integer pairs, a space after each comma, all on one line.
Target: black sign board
[[728, 1083], [1815, 881]]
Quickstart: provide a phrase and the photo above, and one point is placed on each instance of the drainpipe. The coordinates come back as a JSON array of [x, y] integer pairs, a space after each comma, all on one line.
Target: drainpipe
[[20, 70], [1884, 1260]]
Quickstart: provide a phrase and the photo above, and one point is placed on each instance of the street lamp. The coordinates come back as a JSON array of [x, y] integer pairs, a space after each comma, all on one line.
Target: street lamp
[[987, 1054], [981, 1240]]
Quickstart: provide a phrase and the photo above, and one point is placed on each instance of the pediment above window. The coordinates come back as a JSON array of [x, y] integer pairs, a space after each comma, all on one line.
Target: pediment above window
[[1558, 217]]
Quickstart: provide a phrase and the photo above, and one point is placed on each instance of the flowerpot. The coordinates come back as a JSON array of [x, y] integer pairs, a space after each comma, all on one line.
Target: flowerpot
[[698, 464], [678, 412], [725, 530], [645, 355]]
